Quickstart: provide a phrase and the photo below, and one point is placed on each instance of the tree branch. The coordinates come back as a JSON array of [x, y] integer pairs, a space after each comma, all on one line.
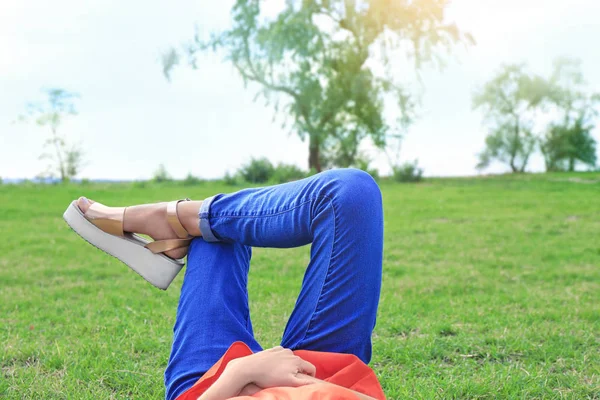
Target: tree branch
[[255, 76]]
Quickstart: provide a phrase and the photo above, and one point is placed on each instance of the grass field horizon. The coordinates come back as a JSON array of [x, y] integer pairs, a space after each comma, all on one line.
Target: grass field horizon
[[491, 289]]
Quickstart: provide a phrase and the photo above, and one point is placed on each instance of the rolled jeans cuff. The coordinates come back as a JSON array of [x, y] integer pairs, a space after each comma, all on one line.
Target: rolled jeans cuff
[[205, 230]]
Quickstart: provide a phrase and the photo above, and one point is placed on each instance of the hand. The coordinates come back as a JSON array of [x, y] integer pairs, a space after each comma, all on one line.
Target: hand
[[273, 367], [249, 390]]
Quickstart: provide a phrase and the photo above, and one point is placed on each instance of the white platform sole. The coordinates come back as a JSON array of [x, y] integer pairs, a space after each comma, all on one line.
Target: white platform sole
[[157, 269]]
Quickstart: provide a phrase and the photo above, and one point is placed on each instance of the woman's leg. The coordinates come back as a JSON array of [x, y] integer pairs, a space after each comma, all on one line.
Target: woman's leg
[[212, 313], [340, 213]]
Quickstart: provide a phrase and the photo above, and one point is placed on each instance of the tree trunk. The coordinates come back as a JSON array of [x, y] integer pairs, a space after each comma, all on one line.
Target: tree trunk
[[512, 164], [314, 154], [571, 164], [524, 164], [61, 164], [515, 148]]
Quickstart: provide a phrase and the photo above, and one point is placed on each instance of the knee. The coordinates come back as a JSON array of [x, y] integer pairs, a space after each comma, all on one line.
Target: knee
[[353, 186]]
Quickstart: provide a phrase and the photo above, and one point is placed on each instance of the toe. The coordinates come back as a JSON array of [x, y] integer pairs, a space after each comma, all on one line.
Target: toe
[[83, 203]]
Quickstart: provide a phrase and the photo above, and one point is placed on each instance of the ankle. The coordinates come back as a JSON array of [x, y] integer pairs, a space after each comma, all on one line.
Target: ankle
[[139, 219], [188, 211]]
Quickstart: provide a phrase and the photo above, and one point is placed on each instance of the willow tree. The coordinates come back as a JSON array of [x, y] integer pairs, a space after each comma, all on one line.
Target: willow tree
[[509, 102], [568, 140], [331, 66]]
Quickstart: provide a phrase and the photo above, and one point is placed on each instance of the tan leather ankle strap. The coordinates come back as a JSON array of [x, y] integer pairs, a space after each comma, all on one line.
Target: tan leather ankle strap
[[173, 219], [160, 246]]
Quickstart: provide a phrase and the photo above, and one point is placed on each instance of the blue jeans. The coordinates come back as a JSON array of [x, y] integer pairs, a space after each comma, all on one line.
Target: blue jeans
[[340, 213]]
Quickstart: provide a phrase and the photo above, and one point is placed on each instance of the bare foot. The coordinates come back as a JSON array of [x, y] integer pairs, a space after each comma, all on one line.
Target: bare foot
[[151, 220]]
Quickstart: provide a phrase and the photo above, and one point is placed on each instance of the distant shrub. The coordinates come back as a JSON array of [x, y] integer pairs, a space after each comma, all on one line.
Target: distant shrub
[[1, 181], [161, 175], [258, 170], [191, 180], [85, 181], [286, 173], [230, 179], [140, 184], [311, 172], [363, 164], [408, 172]]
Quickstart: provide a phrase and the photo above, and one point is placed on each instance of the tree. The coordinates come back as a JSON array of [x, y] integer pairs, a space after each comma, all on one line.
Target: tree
[[161, 174], [563, 146], [569, 140], [330, 65], [257, 170], [509, 102], [65, 159]]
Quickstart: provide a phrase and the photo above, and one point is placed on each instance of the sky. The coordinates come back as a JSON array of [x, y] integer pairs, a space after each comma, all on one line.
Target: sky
[[205, 122]]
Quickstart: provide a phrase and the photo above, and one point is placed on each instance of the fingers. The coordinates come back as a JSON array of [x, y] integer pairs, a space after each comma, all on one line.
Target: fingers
[[303, 366], [302, 380], [250, 389], [276, 348], [307, 368]]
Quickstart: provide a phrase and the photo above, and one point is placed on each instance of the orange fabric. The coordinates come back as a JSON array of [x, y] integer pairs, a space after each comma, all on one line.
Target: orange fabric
[[344, 370]]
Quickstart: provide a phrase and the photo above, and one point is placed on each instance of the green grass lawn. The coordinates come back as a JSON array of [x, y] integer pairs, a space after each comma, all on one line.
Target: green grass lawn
[[491, 290]]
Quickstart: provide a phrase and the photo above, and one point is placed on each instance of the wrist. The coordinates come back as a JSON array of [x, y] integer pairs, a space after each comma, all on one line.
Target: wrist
[[238, 370]]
